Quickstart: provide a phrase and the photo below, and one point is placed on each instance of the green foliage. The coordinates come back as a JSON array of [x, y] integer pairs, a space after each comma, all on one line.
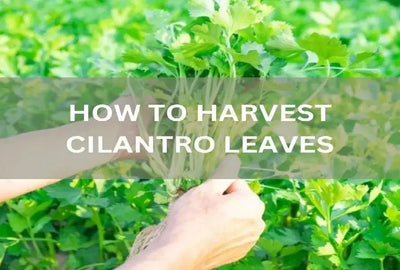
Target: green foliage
[[86, 224], [244, 35], [95, 227], [324, 224], [328, 50]]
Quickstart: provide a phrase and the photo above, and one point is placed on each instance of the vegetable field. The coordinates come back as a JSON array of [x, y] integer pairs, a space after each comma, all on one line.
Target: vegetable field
[[91, 223]]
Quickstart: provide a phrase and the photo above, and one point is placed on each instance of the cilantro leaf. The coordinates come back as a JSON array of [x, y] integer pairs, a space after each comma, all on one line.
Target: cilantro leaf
[[327, 48]]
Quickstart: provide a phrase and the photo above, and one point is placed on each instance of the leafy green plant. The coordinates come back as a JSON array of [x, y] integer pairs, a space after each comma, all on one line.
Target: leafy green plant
[[235, 39], [225, 39]]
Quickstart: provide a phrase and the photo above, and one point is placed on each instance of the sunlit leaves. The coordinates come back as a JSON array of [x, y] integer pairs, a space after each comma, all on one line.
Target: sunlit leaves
[[327, 48], [208, 32], [233, 17]]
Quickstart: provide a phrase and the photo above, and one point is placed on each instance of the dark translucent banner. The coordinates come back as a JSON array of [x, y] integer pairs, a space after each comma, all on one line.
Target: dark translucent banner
[[182, 128]]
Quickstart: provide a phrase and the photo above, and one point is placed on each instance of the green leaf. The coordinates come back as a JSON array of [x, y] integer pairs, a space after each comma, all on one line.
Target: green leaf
[[242, 16], [144, 57], [96, 201], [283, 45], [209, 33], [100, 185], [193, 62], [251, 46], [269, 265], [41, 223], [393, 214], [341, 233], [394, 198], [70, 239], [123, 213], [189, 54], [252, 57], [290, 250], [17, 222], [286, 236], [326, 250], [361, 57], [375, 250], [265, 31], [28, 207], [365, 251], [327, 48], [64, 191], [256, 187], [384, 248], [195, 49], [375, 192], [218, 60], [271, 246], [335, 260], [160, 199], [312, 58]]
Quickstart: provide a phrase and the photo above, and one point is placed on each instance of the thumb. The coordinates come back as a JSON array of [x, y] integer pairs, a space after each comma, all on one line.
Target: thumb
[[225, 175], [239, 186]]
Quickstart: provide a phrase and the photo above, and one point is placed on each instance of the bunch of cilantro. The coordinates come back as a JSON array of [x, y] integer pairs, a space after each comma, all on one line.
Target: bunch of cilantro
[[225, 39]]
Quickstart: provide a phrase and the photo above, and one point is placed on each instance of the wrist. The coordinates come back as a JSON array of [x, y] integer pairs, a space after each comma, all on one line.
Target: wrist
[[160, 258], [164, 255]]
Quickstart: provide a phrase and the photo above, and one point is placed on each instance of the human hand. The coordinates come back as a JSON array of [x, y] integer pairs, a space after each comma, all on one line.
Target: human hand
[[211, 225]]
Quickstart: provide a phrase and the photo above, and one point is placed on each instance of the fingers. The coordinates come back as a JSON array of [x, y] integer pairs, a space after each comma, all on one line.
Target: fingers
[[238, 186], [228, 169], [246, 205], [225, 175]]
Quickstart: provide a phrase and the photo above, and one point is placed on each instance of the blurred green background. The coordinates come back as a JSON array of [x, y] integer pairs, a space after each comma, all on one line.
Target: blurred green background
[[90, 224], [87, 38]]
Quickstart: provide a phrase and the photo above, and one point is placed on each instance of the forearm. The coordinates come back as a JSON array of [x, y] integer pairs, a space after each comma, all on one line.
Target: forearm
[[16, 187], [163, 256], [44, 155]]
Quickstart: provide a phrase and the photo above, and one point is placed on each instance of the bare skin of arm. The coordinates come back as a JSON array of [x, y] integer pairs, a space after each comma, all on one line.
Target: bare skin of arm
[[15, 187], [43, 153], [214, 224], [34, 158]]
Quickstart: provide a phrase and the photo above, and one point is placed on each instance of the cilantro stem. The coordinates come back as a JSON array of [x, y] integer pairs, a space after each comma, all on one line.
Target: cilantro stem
[[328, 68], [230, 58], [100, 231], [328, 221], [50, 244], [118, 226], [26, 239], [32, 235], [382, 266], [20, 238]]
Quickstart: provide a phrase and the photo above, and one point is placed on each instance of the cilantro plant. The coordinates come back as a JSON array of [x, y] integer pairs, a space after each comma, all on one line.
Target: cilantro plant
[[225, 39]]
